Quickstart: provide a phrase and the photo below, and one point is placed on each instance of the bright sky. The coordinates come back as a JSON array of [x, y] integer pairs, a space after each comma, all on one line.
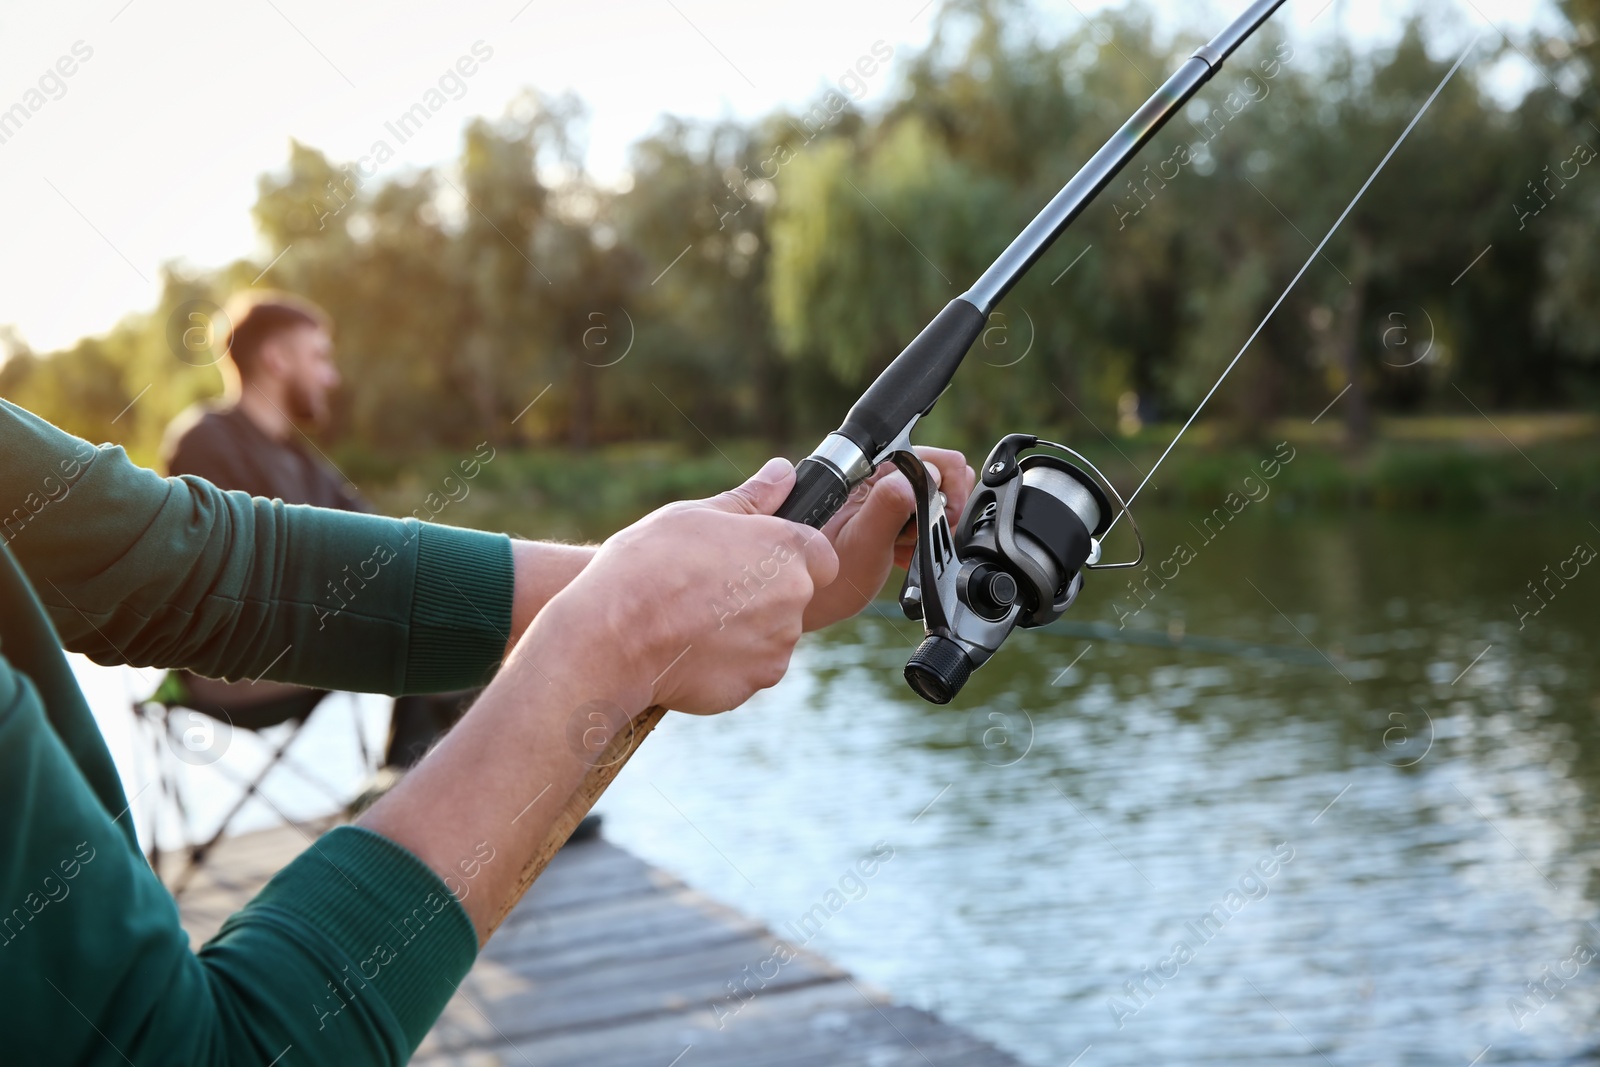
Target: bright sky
[[149, 150]]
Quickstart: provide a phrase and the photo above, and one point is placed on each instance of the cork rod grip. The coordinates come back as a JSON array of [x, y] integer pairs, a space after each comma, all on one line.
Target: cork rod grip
[[606, 767]]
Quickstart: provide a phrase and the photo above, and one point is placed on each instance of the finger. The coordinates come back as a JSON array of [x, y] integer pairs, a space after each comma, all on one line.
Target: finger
[[961, 486], [960, 481], [887, 512], [761, 494], [887, 469], [955, 476], [822, 562], [948, 460]]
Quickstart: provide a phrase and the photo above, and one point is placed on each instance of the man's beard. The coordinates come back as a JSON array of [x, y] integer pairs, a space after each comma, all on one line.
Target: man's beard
[[308, 405]]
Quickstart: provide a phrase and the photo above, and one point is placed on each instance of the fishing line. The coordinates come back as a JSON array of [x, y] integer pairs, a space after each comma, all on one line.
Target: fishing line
[[1033, 525], [1296, 280]]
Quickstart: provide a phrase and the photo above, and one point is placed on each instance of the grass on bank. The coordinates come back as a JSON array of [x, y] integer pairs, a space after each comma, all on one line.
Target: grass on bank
[[1516, 463]]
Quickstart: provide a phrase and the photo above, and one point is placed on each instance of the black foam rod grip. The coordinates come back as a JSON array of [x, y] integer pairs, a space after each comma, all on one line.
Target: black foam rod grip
[[909, 386], [817, 496]]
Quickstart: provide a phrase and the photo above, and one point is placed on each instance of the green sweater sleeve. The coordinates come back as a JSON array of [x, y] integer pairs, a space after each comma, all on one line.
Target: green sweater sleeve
[[351, 952], [346, 957], [173, 572]]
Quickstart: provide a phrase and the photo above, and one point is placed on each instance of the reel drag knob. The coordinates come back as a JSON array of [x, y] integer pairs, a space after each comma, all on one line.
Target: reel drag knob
[[938, 669]]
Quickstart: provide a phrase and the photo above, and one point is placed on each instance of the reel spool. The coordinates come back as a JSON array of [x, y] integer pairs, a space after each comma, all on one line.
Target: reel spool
[[1029, 530]]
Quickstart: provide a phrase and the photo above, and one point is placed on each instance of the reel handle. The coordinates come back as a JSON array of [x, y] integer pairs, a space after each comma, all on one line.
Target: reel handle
[[938, 669]]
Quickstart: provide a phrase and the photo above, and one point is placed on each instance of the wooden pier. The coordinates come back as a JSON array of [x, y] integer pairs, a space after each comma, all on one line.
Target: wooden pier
[[609, 962]]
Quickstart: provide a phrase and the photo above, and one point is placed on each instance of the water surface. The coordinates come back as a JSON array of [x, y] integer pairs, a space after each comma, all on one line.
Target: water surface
[[1428, 762], [1061, 829]]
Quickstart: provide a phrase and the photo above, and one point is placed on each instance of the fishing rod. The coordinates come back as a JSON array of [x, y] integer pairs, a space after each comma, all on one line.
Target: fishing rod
[[1033, 524]]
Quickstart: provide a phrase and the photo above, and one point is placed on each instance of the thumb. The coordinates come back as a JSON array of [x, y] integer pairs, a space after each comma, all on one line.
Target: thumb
[[761, 494]]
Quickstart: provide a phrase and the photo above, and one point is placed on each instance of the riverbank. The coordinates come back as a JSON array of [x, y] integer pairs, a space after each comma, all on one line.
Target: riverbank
[[1512, 464]]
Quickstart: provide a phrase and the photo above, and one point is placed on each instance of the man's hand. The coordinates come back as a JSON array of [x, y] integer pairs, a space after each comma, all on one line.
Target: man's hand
[[870, 533], [696, 606]]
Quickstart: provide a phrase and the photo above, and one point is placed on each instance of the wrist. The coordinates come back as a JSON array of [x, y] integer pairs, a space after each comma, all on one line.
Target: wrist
[[579, 653], [540, 570]]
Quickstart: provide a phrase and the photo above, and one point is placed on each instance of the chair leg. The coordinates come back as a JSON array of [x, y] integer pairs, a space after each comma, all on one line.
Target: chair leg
[[168, 788], [312, 780], [280, 760], [152, 852], [158, 716], [197, 853], [361, 735]]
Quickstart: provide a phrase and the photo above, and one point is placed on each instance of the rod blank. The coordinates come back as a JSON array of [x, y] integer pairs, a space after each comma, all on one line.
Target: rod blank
[[1104, 165]]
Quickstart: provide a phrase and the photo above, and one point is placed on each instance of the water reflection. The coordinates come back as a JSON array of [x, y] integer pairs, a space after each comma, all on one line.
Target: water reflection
[[1429, 768]]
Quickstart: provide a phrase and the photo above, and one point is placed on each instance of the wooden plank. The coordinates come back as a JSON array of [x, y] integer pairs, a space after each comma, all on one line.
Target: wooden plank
[[233, 872], [590, 873], [633, 928], [236, 864], [512, 1004], [827, 1025], [609, 962]]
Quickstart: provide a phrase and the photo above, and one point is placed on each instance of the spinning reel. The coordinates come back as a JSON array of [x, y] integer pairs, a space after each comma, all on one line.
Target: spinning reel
[[1029, 530]]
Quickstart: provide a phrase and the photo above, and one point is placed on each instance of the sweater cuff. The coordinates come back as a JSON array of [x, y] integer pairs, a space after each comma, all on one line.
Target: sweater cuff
[[461, 609], [388, 912]]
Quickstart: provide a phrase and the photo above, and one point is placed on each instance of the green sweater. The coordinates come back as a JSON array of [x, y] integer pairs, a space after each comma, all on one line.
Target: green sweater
[[350, 953]]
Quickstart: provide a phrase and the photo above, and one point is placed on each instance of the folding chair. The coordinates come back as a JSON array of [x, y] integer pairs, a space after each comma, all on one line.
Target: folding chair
[[174, 699]]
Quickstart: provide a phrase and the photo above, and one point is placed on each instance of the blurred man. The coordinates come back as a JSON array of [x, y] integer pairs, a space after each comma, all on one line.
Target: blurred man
[[279, 372]]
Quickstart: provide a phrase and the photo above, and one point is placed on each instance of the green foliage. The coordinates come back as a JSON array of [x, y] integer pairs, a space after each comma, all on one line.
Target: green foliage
[[555, 492], [749, 278], [559, 493]]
